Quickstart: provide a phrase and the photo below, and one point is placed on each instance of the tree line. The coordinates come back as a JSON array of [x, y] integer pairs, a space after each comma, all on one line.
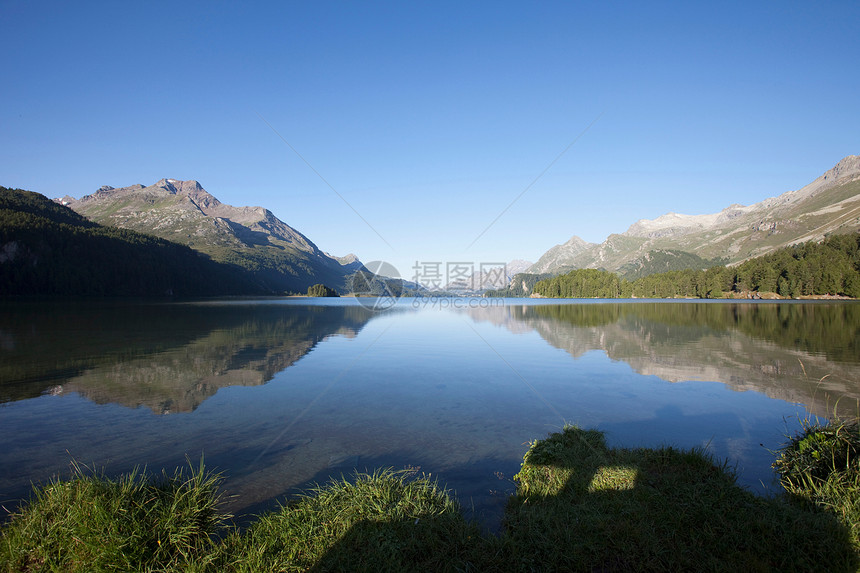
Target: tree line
[[320, 290], [831, 267]]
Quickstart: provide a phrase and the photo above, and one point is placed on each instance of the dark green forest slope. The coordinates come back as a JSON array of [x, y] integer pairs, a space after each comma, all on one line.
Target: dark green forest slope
[[831, 267], [665, 260], [48, 249]]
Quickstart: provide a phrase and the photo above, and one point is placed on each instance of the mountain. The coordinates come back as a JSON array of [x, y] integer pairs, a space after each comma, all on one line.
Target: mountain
[[830, 204], [517, 266], [561, 255], [280, 257], [48, 249]]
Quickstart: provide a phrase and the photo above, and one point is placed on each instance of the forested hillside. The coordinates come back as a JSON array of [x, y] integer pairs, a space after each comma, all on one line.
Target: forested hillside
[[663, 261], [48, 249], [831, 267]]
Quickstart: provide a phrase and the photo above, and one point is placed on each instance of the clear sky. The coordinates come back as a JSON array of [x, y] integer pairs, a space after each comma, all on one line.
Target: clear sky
[[432, 119]]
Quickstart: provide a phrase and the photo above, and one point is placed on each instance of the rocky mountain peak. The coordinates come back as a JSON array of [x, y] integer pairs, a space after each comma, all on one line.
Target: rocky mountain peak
[[176, 186], [184, 212], [848, 167], [167, 185], [557, 255]]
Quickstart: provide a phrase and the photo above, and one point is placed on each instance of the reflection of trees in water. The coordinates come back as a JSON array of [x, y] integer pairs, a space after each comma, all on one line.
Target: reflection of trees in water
[[798, 352], [832, 329], [167, 357]]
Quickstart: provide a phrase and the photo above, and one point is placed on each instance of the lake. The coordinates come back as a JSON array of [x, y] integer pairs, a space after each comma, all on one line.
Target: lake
[[280, 393]]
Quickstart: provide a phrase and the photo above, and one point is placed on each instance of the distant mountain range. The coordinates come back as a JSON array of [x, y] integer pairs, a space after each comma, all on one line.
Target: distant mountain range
[[91, 248], [279, 257], [830, 204]]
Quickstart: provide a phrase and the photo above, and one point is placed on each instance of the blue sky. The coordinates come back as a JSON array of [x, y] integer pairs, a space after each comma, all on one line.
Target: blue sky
[[430, 118]]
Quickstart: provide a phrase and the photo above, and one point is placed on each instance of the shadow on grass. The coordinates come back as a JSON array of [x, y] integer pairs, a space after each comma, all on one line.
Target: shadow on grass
[[581, 506], [426, 543], [383, 521]]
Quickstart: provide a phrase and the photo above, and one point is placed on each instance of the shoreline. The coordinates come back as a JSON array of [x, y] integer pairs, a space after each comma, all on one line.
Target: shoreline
[[579, 505]]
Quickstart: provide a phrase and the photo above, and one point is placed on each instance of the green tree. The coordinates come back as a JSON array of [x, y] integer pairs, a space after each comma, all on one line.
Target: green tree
[[320, 290]]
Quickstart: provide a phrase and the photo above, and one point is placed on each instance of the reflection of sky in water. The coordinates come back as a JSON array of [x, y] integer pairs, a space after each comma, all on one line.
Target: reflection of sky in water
[[435, 389]]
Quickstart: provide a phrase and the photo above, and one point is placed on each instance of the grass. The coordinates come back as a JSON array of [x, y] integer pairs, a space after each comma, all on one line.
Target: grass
[[385, 521], [821, 467], [133, 523], [579, 506]]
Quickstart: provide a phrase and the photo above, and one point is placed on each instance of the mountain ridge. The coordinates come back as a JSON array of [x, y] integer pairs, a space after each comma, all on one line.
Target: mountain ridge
[[829, 204], [281, 257]]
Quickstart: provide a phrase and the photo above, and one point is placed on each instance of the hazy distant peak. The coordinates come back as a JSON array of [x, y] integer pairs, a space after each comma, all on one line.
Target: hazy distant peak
[[519, 264], [576, 241], [671, 223]]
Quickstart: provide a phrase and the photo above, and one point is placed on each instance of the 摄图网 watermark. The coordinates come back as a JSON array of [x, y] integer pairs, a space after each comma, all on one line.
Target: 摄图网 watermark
[[378, 285], [460, 276]]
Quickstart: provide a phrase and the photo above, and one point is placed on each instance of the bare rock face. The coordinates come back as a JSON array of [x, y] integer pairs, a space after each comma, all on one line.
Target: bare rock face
[[829, 204], [848, 168]]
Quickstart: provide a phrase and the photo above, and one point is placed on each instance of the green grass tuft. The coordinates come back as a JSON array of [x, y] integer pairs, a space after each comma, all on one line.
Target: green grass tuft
[[820, 466], [384, 521], [132, 523], [819, 451]]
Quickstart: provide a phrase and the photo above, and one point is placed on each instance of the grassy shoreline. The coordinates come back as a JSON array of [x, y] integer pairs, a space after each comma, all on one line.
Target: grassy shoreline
[[579, 506]]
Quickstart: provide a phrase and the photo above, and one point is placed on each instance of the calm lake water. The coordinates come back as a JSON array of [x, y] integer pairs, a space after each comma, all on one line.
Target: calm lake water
[[280, 393]]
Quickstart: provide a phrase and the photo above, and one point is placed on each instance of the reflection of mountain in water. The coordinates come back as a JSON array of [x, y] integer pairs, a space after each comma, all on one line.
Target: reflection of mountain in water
[[807, 352], [166, 357]]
